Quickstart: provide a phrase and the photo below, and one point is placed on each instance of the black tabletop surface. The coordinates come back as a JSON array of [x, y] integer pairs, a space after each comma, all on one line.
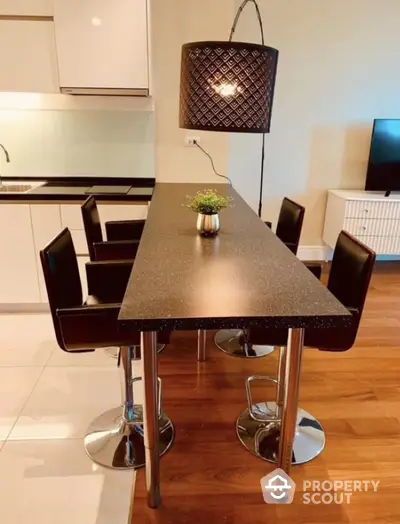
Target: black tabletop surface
[[243, 277]]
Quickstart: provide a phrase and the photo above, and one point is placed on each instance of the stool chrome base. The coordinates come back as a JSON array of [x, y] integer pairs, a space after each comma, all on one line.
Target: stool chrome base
[[113, 351], [114, 443], [232, 342], [262, 438]]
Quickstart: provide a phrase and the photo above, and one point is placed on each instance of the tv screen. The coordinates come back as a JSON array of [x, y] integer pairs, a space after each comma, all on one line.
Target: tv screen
[[384, 159]]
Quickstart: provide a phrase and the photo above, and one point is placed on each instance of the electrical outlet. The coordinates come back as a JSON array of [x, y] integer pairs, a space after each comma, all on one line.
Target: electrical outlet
[[190, 141]]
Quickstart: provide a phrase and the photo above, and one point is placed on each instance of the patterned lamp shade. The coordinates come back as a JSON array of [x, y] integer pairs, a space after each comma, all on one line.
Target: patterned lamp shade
[[227, 86]]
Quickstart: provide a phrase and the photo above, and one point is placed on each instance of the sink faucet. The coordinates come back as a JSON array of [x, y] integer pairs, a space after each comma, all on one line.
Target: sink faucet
[[7, 160]]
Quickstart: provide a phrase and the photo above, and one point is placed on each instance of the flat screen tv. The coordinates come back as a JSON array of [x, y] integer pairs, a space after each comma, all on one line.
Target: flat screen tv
[[384, 158]]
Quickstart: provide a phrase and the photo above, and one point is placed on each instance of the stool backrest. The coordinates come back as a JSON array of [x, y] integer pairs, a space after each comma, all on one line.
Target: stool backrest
[[92, 225], [350, 273], [349, 279], [61, 275], [290, 224]]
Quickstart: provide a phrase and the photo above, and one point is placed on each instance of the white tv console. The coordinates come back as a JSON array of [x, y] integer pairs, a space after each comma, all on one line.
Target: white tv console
[[368, 215]]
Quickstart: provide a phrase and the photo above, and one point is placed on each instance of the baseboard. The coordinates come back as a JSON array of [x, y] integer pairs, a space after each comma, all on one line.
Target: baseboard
[[387, 258], [325, 253], [312, 253]]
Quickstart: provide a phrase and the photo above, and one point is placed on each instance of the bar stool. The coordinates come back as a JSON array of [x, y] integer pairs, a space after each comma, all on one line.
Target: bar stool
[[115, 438], [118, 249], [258, 427], [98, 249], [290, 224], [235, 342]]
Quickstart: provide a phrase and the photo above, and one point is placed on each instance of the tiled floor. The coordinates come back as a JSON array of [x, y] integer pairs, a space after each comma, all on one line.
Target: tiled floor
[[47, 400]]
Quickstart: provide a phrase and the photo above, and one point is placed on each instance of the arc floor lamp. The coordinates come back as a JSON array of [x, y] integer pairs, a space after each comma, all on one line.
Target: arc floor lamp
[[229, 86]]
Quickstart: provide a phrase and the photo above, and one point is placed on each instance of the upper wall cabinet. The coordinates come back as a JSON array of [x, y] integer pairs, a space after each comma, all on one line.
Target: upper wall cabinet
[[26, 7], [28, 56], [102, 46]]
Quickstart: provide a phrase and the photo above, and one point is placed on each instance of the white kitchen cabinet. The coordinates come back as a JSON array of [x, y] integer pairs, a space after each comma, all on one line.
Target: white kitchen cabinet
[[25, 229], [82, 272], [18, 265], [80, 242], [26, 7], [46, 224], [71, 216], [28, 56], [102, 46]]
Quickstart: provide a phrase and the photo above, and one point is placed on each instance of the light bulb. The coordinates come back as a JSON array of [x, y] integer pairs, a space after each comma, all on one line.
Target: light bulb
[[227, 89]]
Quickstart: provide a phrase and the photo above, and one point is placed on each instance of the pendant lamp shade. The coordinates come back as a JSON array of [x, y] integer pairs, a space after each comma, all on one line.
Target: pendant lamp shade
[[227, 86]]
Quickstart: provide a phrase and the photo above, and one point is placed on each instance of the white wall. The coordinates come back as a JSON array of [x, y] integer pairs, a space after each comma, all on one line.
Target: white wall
[[174, 23], [72, 143], [338, 70]]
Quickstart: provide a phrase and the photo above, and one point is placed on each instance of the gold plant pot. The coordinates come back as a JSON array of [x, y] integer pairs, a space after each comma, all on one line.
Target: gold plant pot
[[208, 225]]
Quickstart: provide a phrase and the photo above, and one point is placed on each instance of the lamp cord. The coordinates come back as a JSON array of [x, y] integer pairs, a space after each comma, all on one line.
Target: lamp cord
[[212, 162], [235, 22]]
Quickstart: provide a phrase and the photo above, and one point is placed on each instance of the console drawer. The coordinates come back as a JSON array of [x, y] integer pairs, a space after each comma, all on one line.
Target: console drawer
[[371, 209], [372, 227]]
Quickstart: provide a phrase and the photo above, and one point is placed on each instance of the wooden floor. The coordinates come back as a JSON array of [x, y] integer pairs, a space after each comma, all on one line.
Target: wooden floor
[[208, 477]]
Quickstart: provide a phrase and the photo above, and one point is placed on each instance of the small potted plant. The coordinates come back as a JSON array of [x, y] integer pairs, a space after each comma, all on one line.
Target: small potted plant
[[208, 204]]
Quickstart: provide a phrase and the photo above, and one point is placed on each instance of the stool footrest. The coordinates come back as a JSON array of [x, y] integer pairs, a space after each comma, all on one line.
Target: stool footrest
[[274, 415]]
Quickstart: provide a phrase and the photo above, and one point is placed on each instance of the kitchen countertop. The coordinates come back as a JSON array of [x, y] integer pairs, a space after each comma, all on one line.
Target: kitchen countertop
[[75, 189], [243, 277]]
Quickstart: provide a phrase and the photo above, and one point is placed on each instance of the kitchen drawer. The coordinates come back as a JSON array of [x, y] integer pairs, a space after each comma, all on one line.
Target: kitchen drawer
[[122, 212], [26, 7], [382, 245], [71, 216], [79, 239], [372, 209], [372, 227]]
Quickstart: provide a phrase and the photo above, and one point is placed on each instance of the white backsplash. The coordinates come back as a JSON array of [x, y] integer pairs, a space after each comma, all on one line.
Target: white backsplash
[[78, 143]]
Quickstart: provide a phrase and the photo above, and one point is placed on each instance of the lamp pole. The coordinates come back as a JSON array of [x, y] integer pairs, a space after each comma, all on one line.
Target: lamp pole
[[233, 29]]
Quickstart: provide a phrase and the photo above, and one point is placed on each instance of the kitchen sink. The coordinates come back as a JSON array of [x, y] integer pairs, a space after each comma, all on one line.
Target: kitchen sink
[[16, 187]]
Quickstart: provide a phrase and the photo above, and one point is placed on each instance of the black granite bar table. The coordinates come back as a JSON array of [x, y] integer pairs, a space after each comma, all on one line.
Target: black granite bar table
[[244, 277]]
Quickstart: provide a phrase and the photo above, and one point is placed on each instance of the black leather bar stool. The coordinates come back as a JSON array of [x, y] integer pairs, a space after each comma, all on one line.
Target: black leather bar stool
[[110, 250], [125, 229], [115, 438], [98, 249], [290, 224], [235, 341], [258, 427]]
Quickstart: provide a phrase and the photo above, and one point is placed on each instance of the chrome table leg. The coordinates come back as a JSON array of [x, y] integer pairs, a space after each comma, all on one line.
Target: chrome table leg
[[201, 345], [280, 388], [150, 416], [291, 398]]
